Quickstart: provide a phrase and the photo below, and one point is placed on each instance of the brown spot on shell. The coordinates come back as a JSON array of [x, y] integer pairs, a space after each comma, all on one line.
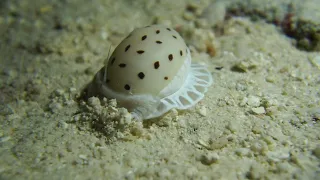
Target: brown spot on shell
[[166, 78], [144, 37], [122, 65], [141, 75], [170, 57], [127, 48], [112, 60], [156, 64], [158, 31], [127, 87], [158, 42], [140, 51]]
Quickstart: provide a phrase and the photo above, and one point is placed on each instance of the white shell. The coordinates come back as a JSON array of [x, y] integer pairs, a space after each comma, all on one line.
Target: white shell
[[150, 72], [147, 55]]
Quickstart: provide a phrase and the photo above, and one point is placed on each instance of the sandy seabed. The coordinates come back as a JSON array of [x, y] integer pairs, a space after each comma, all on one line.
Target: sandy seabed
[[259, 120]]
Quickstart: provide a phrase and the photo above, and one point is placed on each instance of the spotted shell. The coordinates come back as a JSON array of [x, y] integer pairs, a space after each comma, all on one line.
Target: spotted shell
[[146, 61], [150, 72]]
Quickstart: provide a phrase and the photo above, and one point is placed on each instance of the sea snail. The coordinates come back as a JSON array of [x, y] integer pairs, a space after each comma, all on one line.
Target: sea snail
[[150, 72]]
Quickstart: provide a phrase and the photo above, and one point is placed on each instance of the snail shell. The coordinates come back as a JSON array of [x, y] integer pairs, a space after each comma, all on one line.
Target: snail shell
[[150, 72]]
